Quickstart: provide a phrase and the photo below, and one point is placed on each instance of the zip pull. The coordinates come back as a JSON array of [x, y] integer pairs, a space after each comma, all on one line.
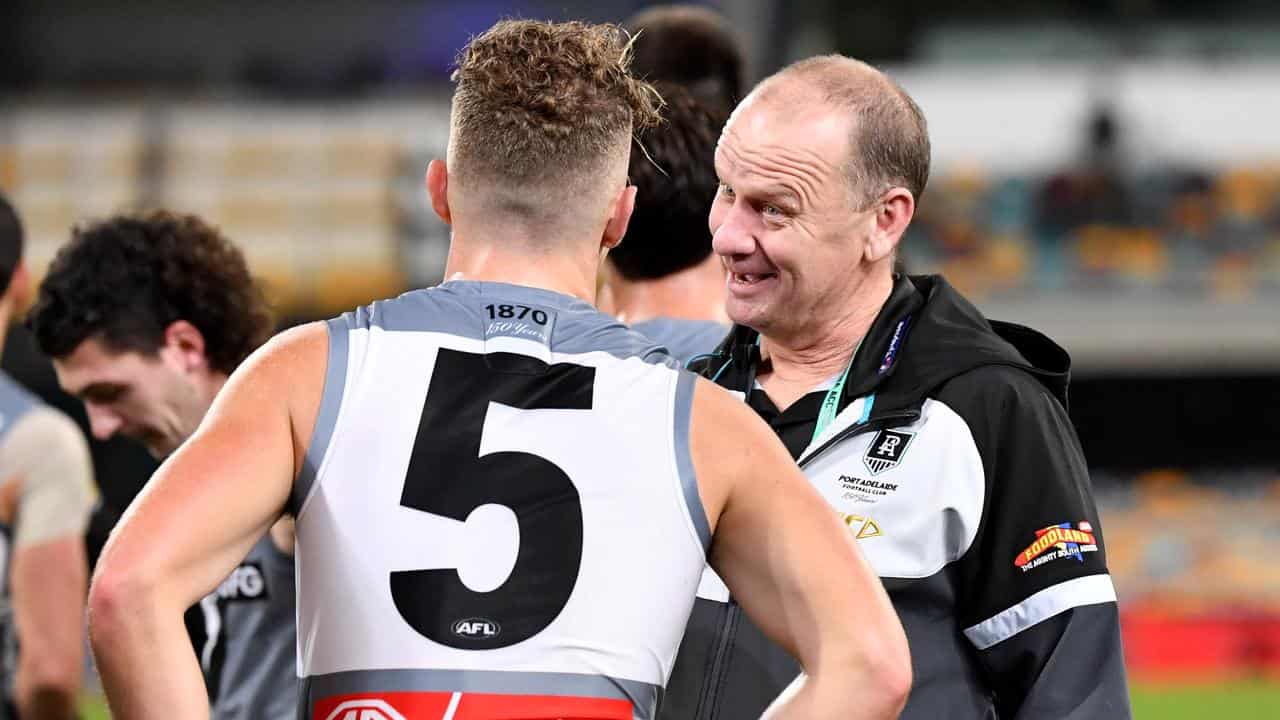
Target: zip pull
[[904, 417]]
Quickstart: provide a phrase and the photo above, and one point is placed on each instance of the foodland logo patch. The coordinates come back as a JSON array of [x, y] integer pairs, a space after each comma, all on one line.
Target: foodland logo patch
[[886, 450], [1056, 542]]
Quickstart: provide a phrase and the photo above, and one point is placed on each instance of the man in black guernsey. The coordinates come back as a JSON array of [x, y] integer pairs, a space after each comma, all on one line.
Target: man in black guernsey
[[940, 438]]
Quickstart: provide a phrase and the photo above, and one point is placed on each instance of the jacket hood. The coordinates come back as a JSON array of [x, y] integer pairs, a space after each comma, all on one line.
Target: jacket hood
[[952, 337]]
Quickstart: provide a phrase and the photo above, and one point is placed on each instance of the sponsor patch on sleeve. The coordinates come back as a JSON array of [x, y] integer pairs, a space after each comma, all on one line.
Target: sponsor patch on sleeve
[[1058, 542]]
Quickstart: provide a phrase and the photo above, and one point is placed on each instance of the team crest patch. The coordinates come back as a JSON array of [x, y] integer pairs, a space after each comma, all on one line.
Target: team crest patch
[[1056, 542], [886, 450]]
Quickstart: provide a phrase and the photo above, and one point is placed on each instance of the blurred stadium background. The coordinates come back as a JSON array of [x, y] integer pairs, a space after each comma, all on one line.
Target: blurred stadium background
[[1105, 170]]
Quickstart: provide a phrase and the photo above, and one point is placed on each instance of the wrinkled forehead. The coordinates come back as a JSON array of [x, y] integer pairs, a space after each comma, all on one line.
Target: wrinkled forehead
[[93, 363], [787, 129]]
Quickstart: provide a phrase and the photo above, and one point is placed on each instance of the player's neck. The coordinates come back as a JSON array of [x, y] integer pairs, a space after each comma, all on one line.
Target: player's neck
[[695, 293], [798, 362], [524, 263]]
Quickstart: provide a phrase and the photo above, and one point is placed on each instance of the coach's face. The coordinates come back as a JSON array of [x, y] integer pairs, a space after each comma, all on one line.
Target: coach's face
[[784, 222], [150, 397]]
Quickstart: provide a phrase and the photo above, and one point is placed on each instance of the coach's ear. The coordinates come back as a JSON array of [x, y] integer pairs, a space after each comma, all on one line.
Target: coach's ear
[[438, 189], [619, 216], [893, 213]]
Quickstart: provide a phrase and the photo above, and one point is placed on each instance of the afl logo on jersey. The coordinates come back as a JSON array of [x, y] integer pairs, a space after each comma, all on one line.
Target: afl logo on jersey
[[476, 629]]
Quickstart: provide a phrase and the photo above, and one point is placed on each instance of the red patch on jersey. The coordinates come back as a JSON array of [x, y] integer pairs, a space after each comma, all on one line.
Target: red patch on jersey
[[470, 706], [1054, 536]]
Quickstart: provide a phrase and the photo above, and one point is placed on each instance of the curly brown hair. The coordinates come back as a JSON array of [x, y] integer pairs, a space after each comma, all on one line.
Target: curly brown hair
[[126, 279], [546, 102]]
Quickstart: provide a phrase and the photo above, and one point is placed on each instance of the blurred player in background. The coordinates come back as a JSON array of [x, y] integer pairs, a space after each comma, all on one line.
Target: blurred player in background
[[663, 278], [504, 497], [46, 493], [145, 317], [940, 438], [691, 46]]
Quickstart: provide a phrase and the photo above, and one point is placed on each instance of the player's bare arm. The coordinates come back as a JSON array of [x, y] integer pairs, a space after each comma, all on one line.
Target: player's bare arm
[[795, 568], [49, 582], [198, 516]]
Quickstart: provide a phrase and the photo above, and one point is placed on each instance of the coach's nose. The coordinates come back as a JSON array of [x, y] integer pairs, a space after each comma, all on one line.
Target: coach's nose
[[733, 230]]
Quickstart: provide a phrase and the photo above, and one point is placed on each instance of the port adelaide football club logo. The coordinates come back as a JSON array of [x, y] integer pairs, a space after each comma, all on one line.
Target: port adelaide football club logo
[[886, 450]]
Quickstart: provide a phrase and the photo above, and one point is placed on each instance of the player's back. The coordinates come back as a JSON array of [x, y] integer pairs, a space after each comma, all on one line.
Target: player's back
[[497, 516]]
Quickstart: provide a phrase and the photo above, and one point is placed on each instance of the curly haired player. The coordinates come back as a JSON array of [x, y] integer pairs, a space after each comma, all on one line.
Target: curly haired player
[[145, 317]]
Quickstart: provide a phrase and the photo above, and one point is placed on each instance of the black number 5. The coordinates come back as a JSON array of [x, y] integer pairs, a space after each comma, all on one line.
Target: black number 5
[[448, 477]]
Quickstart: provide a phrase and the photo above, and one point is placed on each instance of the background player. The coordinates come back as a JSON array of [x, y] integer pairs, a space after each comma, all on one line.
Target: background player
[[692, 46], [145, 317], [503, 509], [663, 278], [46, 492]]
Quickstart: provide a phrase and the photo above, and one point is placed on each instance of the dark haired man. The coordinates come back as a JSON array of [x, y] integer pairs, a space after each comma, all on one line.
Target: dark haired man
[[941, 439], [145, 317], [46, 491], [692, 46], [504, 497], [663, 278]]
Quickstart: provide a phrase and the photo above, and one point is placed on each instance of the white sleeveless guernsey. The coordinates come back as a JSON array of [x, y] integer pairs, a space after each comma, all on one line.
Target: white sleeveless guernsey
[[497, 515]]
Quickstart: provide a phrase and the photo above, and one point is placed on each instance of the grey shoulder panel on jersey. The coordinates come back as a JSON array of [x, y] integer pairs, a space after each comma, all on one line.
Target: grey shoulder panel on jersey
[[335, 380], [684, 458], [15, 401], [455, 308], [684, 339]]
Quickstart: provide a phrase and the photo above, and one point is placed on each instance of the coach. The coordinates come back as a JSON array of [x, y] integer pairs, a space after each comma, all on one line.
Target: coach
[[941, 438]]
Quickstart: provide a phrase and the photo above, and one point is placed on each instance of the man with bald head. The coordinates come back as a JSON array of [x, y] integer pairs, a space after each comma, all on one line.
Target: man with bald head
[[940, 438]]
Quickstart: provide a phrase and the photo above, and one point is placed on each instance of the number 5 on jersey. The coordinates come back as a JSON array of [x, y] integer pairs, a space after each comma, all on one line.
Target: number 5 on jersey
[[447, 477]]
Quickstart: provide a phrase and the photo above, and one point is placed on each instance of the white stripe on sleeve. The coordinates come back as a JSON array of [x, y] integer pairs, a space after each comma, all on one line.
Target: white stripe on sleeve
[[1089, 590]]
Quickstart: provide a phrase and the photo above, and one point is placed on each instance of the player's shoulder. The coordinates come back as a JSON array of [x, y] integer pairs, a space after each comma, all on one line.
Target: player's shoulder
[[722, 424], [46, 426], [26, 418], [292, 349], [15, 400]]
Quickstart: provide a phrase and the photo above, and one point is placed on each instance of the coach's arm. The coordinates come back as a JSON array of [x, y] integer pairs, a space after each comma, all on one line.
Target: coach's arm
[[193, 523], [1041, 614]]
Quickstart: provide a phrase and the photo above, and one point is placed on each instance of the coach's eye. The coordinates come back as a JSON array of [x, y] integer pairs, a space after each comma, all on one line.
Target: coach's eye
[[773, 211], [726, 191]]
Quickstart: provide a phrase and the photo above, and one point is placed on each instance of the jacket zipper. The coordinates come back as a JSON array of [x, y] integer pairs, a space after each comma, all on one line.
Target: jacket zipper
[[879, 423], [710, 700], [709, 704]]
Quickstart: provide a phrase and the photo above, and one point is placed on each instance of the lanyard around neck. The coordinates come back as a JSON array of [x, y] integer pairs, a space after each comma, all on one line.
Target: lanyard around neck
[[831, 401]]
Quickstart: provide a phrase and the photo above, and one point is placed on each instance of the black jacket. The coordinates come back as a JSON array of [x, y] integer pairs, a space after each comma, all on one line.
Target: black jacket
[[954, 463]]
